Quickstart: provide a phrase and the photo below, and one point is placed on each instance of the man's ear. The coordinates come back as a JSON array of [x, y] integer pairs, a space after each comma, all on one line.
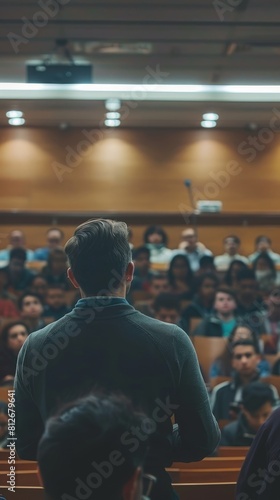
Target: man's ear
[[71, 277], [129, 272], [133, 488]]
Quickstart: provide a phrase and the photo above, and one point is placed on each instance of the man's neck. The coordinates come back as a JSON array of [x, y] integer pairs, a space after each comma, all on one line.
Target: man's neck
[[225, 317], [246, 379]]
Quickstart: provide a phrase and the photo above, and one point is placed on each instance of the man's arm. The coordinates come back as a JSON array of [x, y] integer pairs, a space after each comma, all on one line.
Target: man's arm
[[198, 433], [29, 424]]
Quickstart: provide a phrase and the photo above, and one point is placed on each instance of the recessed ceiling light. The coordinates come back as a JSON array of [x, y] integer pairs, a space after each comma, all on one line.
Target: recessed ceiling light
[[208, 123], [14, 114], [16, 121], [113, 104], [113, 115], [210, 116], [112, 123]]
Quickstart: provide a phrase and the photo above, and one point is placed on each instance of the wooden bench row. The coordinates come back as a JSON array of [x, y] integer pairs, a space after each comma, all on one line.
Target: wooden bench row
[[196, 491]]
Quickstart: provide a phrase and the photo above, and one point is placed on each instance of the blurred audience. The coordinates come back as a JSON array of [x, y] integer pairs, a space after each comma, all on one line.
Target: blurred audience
[[156, 240], [166, 308], [203, 301], [180, 277], [54, 239], [16, 240], [142, 272], [159, 284], [231, 247], [56, 306], [13, 335], [19, 277], [226, 397], [191, 247], [31, 311], [55, 272], [230, 278], [206, 265], [265, 272], [263, 244], [222, 366], [39, 286], [255, 408], [224, 319]]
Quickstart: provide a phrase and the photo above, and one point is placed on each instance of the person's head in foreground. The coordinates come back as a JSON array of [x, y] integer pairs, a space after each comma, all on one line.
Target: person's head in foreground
[[85, 451], [100, 258], [257, 404]]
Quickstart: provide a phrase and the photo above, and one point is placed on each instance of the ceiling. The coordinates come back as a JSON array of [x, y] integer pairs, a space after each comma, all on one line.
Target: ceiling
[[183, 41]]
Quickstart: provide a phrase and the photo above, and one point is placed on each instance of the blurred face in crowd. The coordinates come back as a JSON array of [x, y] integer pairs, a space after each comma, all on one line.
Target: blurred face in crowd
[[158, 285], [247, 290], [180, 268], [31, 307], [231, 246], [167, 315], [245, 360], [16, 338], [54, 238], [16, 266], [258, 417], [58, 263], [242, 333], [189, 236], [142, 262], [224, 303], [16, 239], [263, 245], [262, 265], [40, 287], [208, 289], [155, 238], [55, 298]]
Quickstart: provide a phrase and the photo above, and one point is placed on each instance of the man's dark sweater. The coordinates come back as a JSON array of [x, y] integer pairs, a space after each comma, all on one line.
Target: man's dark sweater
[[114, 347], [259, 478]]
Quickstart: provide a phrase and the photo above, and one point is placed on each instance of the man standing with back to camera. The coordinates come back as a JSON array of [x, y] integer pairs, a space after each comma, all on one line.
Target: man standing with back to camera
[[104, 343]]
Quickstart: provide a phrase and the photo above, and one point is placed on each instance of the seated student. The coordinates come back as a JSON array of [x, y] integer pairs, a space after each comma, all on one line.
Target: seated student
[[250, 305], [159, 284], [203, 301], [222, 365], [54, 239], [224, 319], [16, 240], [192, 248], [255, 408], [230, 278], [4, 425], [31, 311], [263, 244], [156, 240], [272, 322], [39, 286], [56, 306], [259, 477], [142, 272], [55, 272], [86, 451], [8, 307], [180, 277], [19, 278], [12, 338], [166, 308], [206, 265], [226, 396], [265, 272], [231, 247]]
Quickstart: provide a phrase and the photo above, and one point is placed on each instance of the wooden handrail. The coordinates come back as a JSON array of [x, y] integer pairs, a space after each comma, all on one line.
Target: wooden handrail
[[8, 217]]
